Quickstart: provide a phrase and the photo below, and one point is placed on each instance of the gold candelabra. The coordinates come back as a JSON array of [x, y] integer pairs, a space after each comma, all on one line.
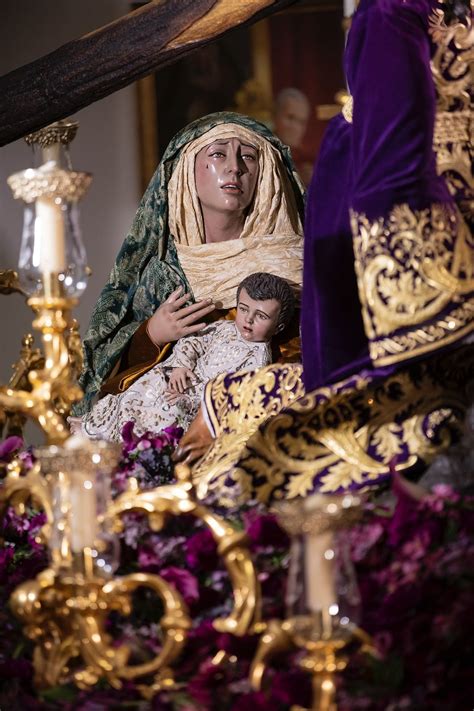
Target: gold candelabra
[[52, 272], [322, 596], [65, 609]]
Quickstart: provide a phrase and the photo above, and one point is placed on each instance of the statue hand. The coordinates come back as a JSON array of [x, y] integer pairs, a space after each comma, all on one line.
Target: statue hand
[[179, 377], [173, 320], [195, 443]]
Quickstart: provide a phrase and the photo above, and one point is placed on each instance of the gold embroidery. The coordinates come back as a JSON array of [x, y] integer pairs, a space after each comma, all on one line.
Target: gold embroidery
[[236, 405], [452, 67], [415, 274], [345, 435]]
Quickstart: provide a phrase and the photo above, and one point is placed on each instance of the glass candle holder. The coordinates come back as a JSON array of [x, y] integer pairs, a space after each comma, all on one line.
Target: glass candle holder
[[79, 476], [52, 258], [323, 600], [51, 245]]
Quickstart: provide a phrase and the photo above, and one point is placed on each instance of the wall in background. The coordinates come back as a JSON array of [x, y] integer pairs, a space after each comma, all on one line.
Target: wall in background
[[106, 145]]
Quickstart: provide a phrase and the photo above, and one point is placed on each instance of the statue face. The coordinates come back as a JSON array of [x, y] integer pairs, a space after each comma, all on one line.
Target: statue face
[[226, 173], [256, 321], [291, 120]]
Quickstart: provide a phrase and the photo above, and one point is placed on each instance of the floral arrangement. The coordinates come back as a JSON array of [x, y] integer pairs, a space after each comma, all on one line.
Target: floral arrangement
[[415, 565]]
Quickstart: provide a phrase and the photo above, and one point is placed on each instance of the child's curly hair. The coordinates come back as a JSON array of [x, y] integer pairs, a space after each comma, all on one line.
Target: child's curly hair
[[261, 286]]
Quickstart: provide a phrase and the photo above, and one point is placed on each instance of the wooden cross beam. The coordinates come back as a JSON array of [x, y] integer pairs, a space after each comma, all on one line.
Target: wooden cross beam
[[87, 69]]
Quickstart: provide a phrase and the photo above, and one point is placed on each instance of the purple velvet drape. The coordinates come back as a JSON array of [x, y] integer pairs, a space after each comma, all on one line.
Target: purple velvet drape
[[383, 158]]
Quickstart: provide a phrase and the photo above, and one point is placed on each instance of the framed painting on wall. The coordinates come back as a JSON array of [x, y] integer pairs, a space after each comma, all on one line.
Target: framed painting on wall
[[300, 47]]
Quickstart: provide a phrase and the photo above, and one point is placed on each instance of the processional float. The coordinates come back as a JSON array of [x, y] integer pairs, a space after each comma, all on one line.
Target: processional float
[[65, 609]]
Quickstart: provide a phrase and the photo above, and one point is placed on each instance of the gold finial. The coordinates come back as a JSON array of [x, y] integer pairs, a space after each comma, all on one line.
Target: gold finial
[[59, 132]]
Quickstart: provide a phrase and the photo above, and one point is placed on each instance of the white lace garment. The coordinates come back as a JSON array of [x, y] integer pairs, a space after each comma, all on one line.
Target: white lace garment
[[219, 348]]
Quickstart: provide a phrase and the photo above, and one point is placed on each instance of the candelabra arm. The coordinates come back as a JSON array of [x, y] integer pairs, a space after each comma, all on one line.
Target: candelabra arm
[[55, 382], [175, 623], [67, 619], [176, 499], [17, 490], [39, 605], [275, 638]]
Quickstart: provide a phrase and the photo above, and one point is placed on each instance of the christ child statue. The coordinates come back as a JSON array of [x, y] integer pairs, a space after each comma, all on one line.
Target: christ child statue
[[170, 393]]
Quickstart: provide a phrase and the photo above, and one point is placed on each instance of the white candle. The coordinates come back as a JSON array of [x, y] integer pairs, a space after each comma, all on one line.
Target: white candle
[[52, 153], [320, 572], [50, 246], [83, 513]]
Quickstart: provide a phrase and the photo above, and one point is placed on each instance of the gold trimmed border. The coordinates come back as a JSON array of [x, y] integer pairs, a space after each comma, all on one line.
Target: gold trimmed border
[[429, 347]]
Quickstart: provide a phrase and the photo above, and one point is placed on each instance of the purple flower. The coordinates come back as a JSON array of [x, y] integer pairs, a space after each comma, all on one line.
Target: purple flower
[[128, 438], [291, 687], [264, 531], [209, 682], [168, 437], [6, 558], [240, 647], [363, 538], [405, 519], [9, 447], [201, 551], [256, 700], [104, 699], [184, 582]]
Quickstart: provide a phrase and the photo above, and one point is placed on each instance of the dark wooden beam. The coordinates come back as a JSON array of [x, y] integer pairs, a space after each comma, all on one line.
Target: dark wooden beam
[[94, 66]]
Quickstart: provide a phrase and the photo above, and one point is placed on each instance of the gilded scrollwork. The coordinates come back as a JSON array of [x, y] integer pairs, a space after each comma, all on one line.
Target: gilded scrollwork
[[415, 277], [271, 389], [175, 499]]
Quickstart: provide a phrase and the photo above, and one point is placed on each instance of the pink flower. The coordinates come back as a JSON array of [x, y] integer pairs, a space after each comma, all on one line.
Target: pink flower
[[445, 492], [417, 547]]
